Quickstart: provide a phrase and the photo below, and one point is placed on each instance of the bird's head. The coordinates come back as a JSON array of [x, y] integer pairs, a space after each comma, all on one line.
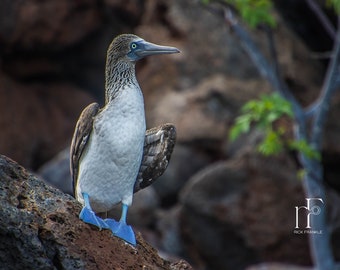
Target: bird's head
[[128, 47], [122, 55]]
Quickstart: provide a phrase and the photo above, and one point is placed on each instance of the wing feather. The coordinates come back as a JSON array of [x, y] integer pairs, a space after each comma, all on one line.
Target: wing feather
[[158, 146], [80, 138]]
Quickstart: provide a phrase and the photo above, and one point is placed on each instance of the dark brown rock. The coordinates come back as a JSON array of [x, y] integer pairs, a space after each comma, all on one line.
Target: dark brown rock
[[178, 172], [37, 120], [277, 266], [142, 213], [241, 212], [49, 24], [40, 229], [56, 172], [169, 231], [203, 113]]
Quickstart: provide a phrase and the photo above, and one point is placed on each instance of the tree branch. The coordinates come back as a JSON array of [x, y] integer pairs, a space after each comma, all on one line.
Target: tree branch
[[322, 18], [266, 70], [330, 85], [314, 188], [272, 51]]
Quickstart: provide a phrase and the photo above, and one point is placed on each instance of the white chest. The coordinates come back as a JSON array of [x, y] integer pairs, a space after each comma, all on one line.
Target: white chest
[[121, 125], [112, 159]]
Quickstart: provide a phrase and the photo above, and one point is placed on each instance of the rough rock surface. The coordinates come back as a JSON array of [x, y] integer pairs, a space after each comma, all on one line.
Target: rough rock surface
[[236, 211], [37, 120], [36, 24], [40, 229]]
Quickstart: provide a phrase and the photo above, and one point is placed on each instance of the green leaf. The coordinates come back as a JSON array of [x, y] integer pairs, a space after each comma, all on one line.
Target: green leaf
[[301, 174], [335, 4], [273, 116], [271, 145], [242, 125], [255, 12], [262, 112], [235, 132], [305, 148], [268, 109]]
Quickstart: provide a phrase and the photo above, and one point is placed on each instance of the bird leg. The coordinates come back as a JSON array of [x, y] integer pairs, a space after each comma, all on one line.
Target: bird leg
[[88, 216], [121, 229]]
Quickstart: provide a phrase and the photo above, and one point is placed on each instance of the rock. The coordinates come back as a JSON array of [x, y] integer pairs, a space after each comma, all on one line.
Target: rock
[[50, 24], [142, 212], [208, 49], [56, 172], [180, 265], [38, 119], [203, 113], [181, 91], [178, 172], [234, 214], [168, 228], [307, 26], [40, 229], [277, 266]]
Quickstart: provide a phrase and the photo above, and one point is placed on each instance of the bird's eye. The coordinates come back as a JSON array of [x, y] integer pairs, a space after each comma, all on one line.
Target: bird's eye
[[133, 46]]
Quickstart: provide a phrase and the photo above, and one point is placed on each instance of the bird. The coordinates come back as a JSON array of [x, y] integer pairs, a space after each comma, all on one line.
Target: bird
[[112, 155]]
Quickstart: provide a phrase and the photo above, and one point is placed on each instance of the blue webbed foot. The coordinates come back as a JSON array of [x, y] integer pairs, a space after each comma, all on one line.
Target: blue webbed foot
[[112, 224], [126, 233], [88, 216], [121, 229]]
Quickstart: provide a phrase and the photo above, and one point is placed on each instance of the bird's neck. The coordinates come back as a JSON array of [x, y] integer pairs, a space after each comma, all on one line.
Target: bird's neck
[[118, 76]]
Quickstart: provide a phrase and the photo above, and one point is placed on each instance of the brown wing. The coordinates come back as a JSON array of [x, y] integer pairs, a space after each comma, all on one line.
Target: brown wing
[[80, 137], [158, 146]]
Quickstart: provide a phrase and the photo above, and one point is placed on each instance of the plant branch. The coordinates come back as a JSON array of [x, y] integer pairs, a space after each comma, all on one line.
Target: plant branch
[[321, 250], [312, 109], [322, 18], [330, 85], [266, 70], [272, 50], [313, 186]]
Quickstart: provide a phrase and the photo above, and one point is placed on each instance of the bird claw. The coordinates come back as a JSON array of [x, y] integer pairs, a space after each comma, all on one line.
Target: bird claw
[[88, 216], [122, 230]]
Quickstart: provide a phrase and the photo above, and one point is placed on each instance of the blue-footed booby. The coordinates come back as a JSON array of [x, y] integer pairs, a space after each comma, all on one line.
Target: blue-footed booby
[[112, 155]]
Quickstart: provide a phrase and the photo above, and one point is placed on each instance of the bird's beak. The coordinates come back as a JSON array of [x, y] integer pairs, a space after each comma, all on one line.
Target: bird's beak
[[148, 48]]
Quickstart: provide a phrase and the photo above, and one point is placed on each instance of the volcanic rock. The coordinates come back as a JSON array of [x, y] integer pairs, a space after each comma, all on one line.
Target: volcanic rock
[[40, 229]]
